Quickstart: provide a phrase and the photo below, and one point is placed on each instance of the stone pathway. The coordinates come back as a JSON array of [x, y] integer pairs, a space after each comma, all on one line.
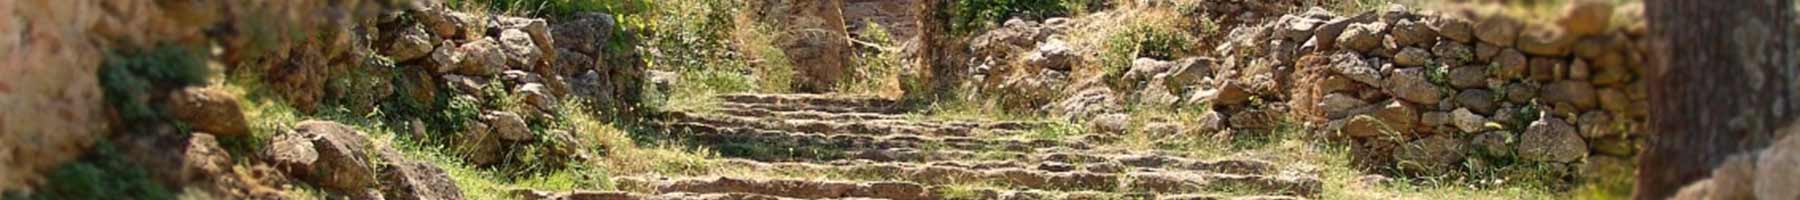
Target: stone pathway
[[909, 158]]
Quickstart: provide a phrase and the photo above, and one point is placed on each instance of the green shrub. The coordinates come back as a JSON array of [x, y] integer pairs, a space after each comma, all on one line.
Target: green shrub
[[101, 174], [1141, 41], [556, 8], [129, 78], [876, 66], [968, 16]]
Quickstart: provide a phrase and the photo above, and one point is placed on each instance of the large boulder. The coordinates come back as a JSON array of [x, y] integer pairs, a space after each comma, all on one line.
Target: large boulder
[[482, 57], [446, 58], [1409, 33], [1494, 143], [1552, 140], [1448, 52], [521, 53], [208, 110], [1115, 123], [1412, 85], [1498, 30], [1468, 121], [1186, 73], [405, 179], [1434, 154], [328, 154], [1596, 124], [447, 24], [1413, 57], [1326, 35], [478, 144], [1521, 92], [1455, 28], [536, 30], [508, 126], [1471, 76], [1361, 126], [1353, 66], [1229, 94], [1615, 101], [1586, 17], [587, 33], [1087, 104], [1143, 69], [1513, 65], [1399, 115], [1256, 119], [412, 42], [1053, 54], [1545, 41], [1545, 69], [1578, 93], [538, 96], [1337, 105], [1478, 100], [1362, 37], [1296, 28]]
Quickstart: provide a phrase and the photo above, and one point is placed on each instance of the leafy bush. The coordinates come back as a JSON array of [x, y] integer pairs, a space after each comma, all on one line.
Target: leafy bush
[[129, 78], [558, 7], [101, 174], [877, 64], [1140, 41], [967, 16]]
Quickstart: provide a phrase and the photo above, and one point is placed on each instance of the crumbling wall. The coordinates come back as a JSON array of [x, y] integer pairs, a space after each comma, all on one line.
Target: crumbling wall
[[894, 15], [813, 38], [1428, 92], [51, 104]]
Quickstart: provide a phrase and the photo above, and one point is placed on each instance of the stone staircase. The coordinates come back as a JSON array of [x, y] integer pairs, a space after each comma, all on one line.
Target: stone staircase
[[894, 156]]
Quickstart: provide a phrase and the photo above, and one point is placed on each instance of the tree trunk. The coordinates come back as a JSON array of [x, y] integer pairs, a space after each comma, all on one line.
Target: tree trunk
[[933, 57], [1723, 79]]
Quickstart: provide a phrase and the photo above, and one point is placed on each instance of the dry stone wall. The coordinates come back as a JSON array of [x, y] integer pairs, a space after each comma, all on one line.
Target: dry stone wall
[[896, 16], [51, 103], [1424, 91]]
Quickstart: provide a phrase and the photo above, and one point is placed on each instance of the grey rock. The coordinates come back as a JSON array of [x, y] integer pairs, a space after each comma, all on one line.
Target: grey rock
[[1467, 121], [1552, 140], [1412, 85], [1466, 77], [1413, 57], [1478, 100]]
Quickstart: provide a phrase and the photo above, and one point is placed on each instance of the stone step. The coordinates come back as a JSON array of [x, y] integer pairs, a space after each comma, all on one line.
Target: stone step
[[1047, 177], [932, 193], [798, 107], [826, 116], [716, 136], [809, 99], [791, 188], [989, 193], [864, 127], [621, 195], [1150, 183], [808, 114], [1036, 158], [1110, 164]]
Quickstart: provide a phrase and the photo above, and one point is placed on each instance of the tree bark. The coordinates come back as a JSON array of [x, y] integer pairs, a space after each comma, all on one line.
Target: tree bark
[[1723, 79], [934, 54]]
